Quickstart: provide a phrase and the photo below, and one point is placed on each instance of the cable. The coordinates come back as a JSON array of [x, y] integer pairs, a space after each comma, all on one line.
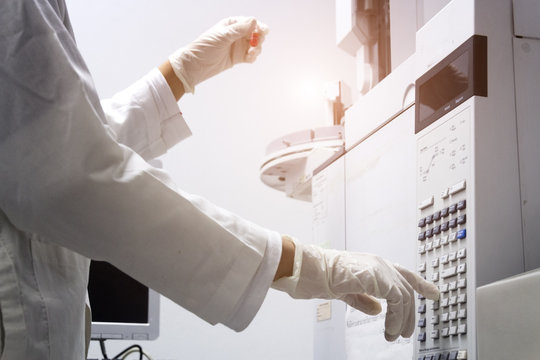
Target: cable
[[128, 349], [103, 350], [124, 353], [132, 351]]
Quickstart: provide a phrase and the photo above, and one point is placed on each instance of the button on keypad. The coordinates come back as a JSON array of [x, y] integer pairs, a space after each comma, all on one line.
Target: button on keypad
[[444, 240], [442, 259]]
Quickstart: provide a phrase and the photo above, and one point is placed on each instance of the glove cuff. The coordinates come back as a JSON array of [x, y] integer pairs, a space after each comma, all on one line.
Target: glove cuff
[[176, 62], [289, 284], [310, 278]]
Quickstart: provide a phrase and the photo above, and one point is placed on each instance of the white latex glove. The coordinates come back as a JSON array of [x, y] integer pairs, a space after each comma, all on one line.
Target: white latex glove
[[224, 45], [357, 279]]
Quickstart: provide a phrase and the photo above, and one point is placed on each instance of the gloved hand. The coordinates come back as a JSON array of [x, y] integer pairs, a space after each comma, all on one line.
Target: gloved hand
[[221, 47], [356, 278]]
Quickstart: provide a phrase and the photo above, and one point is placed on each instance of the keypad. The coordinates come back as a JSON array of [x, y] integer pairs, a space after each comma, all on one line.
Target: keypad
[[442, 259], [452, 355]]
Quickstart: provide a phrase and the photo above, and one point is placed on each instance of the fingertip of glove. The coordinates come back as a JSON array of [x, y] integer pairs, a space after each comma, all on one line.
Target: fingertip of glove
[[263, 28], [432, 292], [375, 309], [408, 334], [390, 337], [252, 22], [252, 55]]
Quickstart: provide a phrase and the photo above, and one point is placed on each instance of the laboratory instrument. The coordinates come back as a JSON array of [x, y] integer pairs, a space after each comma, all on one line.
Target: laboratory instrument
[[439, 168]]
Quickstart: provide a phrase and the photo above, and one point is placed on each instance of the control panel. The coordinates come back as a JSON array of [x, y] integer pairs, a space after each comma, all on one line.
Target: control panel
[[444, 237]]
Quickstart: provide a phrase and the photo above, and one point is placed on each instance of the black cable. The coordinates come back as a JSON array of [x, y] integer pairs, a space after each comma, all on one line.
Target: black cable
[[116, 357], [103, 350], [127, 349]]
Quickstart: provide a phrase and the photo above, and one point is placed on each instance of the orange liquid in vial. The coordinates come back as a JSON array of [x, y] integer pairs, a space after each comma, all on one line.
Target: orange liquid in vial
[[254, 40]]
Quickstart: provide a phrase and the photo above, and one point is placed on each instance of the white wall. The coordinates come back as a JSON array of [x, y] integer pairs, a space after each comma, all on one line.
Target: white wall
[[233, 117]]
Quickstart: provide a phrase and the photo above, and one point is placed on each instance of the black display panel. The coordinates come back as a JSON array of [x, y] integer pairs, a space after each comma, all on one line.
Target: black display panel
[[459, 76], [116, 297]]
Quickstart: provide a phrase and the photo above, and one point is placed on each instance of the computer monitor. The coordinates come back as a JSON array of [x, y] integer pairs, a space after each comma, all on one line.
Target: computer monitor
[[122, 307]]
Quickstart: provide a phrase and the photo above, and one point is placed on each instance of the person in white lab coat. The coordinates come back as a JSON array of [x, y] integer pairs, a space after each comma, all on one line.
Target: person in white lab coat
[[76, 185]]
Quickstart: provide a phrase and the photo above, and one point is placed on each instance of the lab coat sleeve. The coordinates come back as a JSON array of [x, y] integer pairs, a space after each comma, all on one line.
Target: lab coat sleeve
[[258, 287], [66, 178], [146, 117]]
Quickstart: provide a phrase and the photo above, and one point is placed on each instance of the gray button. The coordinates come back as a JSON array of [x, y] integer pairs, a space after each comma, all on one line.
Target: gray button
[[445, 317]]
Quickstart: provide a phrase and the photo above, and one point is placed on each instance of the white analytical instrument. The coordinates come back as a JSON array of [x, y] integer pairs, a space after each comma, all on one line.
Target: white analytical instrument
[[441, 174]]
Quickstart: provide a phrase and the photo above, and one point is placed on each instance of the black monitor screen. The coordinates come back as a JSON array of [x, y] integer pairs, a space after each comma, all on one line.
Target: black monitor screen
[[116, 297], [445, 86]]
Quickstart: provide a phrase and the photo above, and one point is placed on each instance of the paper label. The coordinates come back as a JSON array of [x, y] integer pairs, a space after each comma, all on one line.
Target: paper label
[[324, 311]]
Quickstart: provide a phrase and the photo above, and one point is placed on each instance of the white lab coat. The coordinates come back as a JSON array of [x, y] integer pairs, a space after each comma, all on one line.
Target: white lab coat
[[74, 185]]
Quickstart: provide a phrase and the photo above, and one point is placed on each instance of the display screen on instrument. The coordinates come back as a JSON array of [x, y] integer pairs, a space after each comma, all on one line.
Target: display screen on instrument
[[456, 78], [444, 87]]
